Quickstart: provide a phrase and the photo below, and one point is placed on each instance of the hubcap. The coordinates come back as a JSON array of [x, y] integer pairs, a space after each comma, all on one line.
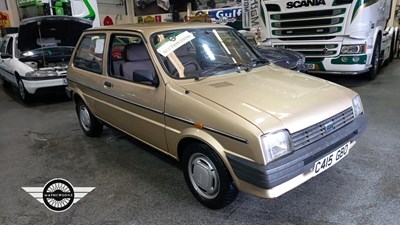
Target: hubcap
[[203, 176], [84, 117], [21, 89]]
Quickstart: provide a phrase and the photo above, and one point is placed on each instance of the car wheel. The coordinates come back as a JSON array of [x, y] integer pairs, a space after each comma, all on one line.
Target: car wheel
[[4, 83], [207, 177], [90, 125], [23, 94], [375, 61]]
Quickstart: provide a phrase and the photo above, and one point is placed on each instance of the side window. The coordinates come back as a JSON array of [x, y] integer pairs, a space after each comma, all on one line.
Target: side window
[[4, 45], [130, 60], [9, 49], [89, 55]]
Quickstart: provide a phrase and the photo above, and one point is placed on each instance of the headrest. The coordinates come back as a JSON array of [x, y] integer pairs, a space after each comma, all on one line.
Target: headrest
[[136, 52], [181, 51]]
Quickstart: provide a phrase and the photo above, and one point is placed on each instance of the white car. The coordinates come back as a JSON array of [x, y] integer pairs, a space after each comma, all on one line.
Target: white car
[[37, 57]]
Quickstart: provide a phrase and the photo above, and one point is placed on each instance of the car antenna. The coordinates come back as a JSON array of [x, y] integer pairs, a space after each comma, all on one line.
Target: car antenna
[[41, 43]]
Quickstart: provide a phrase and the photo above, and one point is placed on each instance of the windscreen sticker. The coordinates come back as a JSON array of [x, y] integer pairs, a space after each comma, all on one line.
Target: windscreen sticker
[[173, 42]]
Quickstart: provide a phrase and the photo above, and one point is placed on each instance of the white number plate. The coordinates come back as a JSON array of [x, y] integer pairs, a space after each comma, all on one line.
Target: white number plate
[[331, 159], [310, 66]]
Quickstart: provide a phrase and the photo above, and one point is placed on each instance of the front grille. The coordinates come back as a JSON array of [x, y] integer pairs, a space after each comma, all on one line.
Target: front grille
[[308, 14], [308, 23], [310, 50], [317, 131], [319, 22]]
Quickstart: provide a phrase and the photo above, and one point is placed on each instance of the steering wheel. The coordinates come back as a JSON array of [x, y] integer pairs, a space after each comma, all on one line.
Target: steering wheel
[[175, 71]]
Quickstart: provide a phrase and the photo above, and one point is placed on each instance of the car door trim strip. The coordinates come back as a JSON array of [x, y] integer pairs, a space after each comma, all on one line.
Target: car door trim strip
[[232, 136], [225, 134]]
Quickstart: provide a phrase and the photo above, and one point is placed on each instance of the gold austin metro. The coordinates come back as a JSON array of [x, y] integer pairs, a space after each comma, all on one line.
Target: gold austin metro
[[203, 95]]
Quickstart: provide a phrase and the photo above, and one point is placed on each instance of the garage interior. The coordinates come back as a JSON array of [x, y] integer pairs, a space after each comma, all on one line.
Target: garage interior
[[43, 140]]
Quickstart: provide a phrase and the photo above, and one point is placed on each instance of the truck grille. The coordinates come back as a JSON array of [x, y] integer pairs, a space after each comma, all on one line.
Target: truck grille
[[317, 131], [310, 50], [321, 22]]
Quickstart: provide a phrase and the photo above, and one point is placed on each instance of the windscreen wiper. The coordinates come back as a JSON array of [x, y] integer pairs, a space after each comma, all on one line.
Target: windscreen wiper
[[253, 63], [220, 67]]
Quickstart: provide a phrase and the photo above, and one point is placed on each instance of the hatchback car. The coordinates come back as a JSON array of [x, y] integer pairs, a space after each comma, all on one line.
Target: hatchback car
[[203, 95], [36, 58]]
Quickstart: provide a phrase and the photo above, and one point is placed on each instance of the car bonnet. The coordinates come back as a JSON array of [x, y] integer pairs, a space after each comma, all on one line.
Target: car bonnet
[[65, 29], [272, 93]]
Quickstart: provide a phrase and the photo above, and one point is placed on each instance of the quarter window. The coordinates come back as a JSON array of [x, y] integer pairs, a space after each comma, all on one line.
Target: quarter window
[[89, 55]]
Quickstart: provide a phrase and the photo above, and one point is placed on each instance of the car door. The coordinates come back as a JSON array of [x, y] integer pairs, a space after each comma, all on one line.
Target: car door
[[133, 92], [7, 57]]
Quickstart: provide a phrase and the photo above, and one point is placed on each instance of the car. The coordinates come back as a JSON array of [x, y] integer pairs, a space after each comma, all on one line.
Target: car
[[36, 58], [285, 58], [200, 93]]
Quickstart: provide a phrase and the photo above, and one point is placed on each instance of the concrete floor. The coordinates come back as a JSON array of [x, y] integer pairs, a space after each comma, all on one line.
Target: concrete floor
[[137, 185]]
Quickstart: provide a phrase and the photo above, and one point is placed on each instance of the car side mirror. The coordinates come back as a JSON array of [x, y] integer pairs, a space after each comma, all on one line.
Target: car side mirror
[[5, 55], [145, 77]]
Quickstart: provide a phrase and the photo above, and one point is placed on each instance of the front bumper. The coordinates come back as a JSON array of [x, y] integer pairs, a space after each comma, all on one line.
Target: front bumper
[[288, 172], [32, 86]]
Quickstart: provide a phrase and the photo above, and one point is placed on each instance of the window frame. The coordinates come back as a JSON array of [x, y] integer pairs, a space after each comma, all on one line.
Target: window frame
[[109, 58], [104, 35]]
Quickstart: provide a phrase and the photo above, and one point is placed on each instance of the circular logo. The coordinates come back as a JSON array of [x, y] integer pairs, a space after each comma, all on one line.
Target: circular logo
[[172, 38], [58, 195]]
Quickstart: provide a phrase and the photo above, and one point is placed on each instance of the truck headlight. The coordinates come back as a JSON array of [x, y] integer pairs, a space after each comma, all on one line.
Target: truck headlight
[[41, 73], [276, 144], [357, 106], [353, 49]]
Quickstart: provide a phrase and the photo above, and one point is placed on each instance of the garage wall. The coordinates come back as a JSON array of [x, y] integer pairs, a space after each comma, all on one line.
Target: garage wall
[[120, 11]]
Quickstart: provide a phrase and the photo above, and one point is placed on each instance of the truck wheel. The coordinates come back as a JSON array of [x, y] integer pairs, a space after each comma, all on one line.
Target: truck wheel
[[207, 177], [375, 61], [4, 83], [23, 94], [90, 125]]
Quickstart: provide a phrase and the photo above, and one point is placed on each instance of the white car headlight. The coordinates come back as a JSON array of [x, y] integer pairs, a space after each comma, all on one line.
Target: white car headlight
[[353, 49], [276, 144], [357, 106], [41, 73]]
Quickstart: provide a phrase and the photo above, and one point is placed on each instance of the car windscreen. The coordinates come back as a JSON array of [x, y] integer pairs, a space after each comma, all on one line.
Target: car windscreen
[[205, 52]]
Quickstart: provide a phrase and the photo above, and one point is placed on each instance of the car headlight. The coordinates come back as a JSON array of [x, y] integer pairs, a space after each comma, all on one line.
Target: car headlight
[[276, 144], [353, 49], [41, 73], [357, 106]]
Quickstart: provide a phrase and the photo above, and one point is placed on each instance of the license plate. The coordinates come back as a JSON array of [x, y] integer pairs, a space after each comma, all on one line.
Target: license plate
[[310, 66], [331, 159]]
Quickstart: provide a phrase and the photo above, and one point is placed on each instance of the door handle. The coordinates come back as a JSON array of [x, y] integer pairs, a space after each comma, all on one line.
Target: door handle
[[108, 84]]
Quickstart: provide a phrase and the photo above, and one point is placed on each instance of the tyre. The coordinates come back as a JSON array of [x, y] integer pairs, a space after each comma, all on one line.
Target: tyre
[[90, 125], [4, 83], [375, 61], [23, 94], [207, 177], [392, 48]]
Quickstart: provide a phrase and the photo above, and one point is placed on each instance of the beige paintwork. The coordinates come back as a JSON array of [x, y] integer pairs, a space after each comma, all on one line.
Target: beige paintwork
[[243, 105]]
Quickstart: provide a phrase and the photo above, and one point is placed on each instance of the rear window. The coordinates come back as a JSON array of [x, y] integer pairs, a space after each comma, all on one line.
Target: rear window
[[89, 55]]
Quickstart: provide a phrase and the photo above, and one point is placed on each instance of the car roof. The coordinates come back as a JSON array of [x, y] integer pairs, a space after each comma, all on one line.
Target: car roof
[[150, 28]]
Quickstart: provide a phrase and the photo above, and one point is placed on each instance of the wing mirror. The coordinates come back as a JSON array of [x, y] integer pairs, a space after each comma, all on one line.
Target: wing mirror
[[145, 77], [5, 55]]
